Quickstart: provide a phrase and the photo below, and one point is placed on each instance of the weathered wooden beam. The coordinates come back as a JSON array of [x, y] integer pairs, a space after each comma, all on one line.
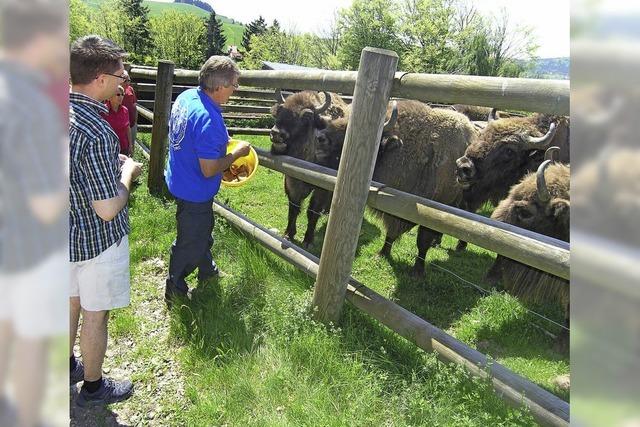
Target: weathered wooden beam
[[546, 408], [375, 77], [228, 108], [232, 130], [544, 96], [159, 134]]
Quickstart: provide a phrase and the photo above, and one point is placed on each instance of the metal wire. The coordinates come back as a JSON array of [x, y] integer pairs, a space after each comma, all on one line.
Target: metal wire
[[460, 278]]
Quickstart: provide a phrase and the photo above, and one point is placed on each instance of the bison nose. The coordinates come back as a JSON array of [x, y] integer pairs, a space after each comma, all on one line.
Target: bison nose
[[466, 169], [274, 134]]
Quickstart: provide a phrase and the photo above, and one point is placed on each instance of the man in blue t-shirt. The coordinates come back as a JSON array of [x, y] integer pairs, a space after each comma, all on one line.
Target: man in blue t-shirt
[[197, 156]]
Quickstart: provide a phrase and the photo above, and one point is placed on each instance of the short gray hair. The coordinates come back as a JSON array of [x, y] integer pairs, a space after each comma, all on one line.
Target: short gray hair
[[218, 71]]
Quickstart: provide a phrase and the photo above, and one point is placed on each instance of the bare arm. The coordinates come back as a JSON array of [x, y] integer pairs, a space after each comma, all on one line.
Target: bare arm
[[108, 209], [211, 167]]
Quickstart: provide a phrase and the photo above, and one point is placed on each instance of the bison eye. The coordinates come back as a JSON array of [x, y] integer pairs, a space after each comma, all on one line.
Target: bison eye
[[524, 213]]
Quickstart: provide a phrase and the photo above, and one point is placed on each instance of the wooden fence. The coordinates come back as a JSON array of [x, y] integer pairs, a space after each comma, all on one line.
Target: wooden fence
[[375, 83]]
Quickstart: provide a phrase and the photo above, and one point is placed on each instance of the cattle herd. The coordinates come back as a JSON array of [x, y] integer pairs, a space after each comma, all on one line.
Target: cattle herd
[[440, 154]]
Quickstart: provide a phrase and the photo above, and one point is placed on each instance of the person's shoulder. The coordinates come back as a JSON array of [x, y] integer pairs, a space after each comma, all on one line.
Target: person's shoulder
[[125, 109]]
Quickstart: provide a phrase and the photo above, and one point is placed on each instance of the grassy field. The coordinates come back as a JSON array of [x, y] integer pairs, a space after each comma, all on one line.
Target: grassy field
[[232, 30], [243, 351]]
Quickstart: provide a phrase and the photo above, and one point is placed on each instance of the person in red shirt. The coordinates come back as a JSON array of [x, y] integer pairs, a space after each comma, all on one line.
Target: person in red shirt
[[118, 118], [130, 99]]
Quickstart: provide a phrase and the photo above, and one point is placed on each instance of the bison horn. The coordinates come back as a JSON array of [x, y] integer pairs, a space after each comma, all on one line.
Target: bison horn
[[552, 153], [542, 141], [389, 124], [327, 103], [541, 183], [279, 96], [493, 115]]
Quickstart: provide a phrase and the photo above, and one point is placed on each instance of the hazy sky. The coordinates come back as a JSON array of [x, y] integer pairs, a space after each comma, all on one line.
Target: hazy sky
[[549, 18]]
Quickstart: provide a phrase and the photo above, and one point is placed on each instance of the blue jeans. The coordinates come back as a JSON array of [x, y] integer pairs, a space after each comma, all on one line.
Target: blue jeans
[[192, 247]]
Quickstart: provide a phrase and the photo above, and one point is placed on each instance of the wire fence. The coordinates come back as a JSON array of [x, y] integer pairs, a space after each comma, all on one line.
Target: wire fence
[[459, 279]]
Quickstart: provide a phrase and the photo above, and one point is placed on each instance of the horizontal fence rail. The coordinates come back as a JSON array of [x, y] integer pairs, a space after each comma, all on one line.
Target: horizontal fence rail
[[231, 130], [546, 408], [544, 96], [541, 252]]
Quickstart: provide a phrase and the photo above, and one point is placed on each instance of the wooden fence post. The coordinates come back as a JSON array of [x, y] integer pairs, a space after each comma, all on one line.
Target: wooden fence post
[[159, 132], [369, 106]]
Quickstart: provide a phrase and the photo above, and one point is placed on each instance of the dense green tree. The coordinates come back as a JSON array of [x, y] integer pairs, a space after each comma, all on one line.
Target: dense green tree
[[137, 32], [367, 23], [427, 32], [256, 27], [216, 41], [179, 37], [79, 20], [275, 26]]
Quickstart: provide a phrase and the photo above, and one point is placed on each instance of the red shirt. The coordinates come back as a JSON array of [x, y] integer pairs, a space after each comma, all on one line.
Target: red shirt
[[119, 121], [129, 100]]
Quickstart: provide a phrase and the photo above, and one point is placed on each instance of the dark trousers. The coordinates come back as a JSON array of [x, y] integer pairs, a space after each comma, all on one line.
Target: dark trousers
[[192, 247]]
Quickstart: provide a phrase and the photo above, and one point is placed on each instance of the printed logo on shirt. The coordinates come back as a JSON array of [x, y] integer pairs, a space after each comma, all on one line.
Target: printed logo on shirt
[[178, 124]]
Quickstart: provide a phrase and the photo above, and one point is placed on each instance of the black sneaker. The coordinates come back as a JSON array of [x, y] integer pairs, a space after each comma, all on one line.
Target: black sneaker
[[110, 391], [171, 292], [77, 374]]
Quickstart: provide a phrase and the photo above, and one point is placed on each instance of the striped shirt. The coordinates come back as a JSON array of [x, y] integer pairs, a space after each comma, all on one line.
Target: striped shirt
[[94, 174]]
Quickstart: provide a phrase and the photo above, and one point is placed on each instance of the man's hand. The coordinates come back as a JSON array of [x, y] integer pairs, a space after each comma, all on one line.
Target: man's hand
[[242, 149], [131, 168], [108, 209]]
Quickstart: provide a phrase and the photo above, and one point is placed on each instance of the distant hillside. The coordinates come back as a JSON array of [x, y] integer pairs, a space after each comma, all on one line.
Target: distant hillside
[[549, 68], [232, 29]]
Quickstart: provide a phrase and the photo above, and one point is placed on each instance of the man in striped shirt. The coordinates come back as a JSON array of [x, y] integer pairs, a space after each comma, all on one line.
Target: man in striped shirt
[[100, 182]]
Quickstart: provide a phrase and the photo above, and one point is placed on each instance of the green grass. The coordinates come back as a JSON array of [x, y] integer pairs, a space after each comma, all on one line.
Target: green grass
[[247, 353]]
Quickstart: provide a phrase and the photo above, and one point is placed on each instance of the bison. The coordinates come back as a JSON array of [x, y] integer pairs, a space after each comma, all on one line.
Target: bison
[[505, 151], [418, 157], [293, 134], [540, 203]]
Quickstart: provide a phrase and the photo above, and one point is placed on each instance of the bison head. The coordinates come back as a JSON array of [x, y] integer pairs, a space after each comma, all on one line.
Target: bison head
[[503, 153], [296, 118], [540, 202], [330, 135]]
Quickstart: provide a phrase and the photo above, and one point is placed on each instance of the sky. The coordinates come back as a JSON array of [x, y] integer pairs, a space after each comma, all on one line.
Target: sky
[[548, 18]]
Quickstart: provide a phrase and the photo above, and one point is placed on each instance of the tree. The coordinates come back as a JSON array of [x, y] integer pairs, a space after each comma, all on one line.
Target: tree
[[215, 39], [275, 26], [367, 23], [179, 37], [491, 47], [427, 31], [256, 27], [107, 21], [137, 33], [282, 47], [79, 20]]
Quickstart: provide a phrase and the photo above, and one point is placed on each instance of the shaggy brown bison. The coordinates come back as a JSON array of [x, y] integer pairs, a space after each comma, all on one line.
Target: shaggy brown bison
[[419, 158], [540, 203], [293, 134], [505, 151]]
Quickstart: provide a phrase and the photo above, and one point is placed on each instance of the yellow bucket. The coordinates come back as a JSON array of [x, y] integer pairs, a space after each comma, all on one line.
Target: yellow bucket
[[250, 162]]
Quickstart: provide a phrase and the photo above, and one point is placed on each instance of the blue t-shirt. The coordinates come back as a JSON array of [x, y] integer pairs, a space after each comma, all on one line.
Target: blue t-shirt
[[196, 131]]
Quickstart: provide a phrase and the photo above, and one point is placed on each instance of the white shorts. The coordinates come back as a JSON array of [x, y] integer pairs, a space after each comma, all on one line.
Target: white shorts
[[34, 300], [102, 283]]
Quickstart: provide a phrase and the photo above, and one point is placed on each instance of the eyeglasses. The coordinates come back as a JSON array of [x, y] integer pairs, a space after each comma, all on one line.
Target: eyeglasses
[[115, 75], [119, 95]]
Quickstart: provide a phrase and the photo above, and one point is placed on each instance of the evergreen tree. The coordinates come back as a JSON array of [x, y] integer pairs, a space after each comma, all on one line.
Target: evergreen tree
[[258, 26], [275, 27], [137, 34], [215, 38]]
